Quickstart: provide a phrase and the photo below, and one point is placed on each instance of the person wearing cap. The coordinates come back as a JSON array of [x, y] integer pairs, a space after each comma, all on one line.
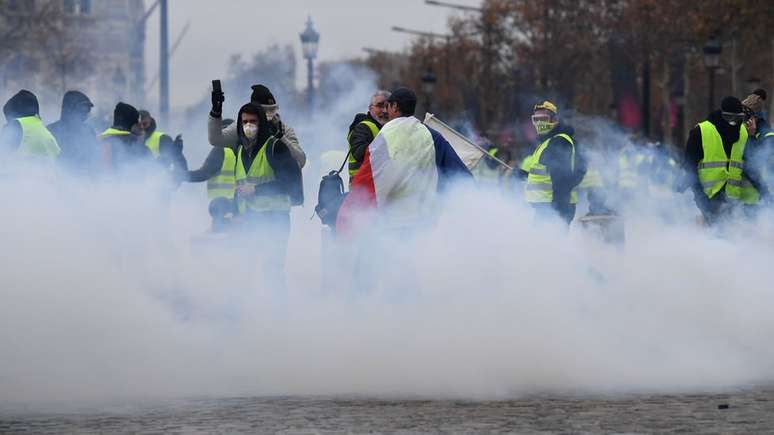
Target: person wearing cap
[[122, 144], [555, 168], [75, 137], [25, 134], [403, 171], [364, 129], [261, 95], [718, 165]]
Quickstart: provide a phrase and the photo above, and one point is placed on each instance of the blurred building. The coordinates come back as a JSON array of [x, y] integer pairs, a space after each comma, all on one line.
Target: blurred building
[[95, 46]]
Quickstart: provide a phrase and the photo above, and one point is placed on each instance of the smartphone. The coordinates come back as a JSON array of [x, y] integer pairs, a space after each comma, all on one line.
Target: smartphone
[[216, 86]]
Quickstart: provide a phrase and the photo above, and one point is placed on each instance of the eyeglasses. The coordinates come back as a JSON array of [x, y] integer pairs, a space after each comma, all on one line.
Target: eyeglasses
[[541, 118], [381, 105]]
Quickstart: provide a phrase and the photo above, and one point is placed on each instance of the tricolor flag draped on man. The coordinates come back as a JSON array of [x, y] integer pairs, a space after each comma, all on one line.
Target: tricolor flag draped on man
[[405, 167]]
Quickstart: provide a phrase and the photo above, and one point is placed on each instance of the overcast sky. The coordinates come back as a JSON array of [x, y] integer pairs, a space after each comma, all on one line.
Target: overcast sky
[[224, 27]]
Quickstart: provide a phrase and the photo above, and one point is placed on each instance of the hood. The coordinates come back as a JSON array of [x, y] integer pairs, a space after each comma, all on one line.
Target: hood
[[358, 118], [125, 116], [24, 103], [559, 129], [72, 103], [264, 128], [729, 133]]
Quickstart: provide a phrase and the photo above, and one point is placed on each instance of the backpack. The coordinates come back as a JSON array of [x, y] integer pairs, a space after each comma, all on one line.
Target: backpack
[[330, 196]]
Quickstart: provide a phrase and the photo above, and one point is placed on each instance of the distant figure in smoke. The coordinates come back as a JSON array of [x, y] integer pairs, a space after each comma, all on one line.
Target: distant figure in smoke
[[718, 162], [122, 143], [77, 139], [404, 169], [268, 182], [25, 134], [168, 152], [555, 168], [364, 129], [219, 171], [763, 139], [227, 137]]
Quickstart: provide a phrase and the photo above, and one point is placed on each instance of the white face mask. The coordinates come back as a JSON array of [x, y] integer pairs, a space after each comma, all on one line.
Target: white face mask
[[251, 130]]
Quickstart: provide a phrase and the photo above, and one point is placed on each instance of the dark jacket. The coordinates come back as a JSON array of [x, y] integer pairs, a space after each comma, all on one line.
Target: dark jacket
[[360, 136], [24, 103], [76, 139], [557, 158], [287, 172], [694, 153]]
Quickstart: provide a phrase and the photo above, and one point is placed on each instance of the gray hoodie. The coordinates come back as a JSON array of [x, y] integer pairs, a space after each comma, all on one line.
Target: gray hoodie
[[228, 137]]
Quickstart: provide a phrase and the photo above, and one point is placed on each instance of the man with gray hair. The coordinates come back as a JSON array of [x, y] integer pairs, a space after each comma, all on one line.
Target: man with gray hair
[[364, 129]]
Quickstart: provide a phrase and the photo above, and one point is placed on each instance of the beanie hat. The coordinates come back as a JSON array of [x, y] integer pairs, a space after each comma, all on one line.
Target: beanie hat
[[754, 102], [761, 93], [262, 95], [731, 105]]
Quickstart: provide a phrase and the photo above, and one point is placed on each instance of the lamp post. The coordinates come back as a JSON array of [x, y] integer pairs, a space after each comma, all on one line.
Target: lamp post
[[712, 62], [310, 40], [428, 83]]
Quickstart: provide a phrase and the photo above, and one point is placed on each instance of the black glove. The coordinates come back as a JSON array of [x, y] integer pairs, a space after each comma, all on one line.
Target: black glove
[[178, 144], [279, 130], [217, 103]]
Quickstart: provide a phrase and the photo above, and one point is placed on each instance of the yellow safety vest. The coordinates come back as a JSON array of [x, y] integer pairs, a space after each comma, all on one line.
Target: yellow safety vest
[[354, 165], [539, 188], [717, 171], [36, 140], [628, 169], [260, 172], [113, 132], [153, 142], [592, 180], [223, 185]]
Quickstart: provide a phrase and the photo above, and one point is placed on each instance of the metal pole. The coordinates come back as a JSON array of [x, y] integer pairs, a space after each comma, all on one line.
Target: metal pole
[[310, 85], [164, 66]]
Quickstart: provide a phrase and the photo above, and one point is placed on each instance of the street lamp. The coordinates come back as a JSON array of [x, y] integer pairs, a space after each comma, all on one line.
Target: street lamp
[[428, 83], [310, 40], [712, 62]]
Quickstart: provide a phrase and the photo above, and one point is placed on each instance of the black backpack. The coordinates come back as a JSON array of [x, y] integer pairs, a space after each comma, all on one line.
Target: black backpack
[[330, 196]]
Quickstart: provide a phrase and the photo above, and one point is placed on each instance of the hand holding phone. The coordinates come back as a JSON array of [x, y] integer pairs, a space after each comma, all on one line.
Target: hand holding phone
[[217, 99]]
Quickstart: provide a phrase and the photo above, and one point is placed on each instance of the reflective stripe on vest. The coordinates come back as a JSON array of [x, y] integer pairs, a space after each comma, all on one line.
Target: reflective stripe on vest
[[260, 172], [113, 132], [352, 164], [36, 140], [153, 142], [717, 171], [223, 184], [539, 188]]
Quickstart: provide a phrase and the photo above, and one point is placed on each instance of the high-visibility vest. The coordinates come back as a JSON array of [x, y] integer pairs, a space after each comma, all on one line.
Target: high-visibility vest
[[260, 172], [628, 169], [539, 188], [718, 171], [223, 185], [153, 142], [592, 180], [354, 165], [113, 132], [36, 140]]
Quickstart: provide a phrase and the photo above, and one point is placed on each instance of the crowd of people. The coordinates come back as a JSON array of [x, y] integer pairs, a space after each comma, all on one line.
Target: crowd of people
[[397, 165]]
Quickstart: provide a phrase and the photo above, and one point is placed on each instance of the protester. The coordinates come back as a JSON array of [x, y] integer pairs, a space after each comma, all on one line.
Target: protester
[[122, 143], [403, 170], [24, 133], [364, 129], [555, 168], [716, 160], [76, 138], [261, 96]]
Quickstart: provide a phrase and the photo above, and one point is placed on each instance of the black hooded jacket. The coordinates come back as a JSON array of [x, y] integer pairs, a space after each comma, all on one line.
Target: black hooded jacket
[[76, 138], [24, 103], [694, 153], [287, 173]]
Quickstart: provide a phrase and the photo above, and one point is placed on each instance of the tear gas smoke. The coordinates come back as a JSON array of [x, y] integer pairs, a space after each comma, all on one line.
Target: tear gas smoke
[[107, 293]]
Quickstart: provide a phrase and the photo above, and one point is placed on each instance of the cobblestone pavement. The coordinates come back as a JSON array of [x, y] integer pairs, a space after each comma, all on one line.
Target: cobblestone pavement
[[749, 412]]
